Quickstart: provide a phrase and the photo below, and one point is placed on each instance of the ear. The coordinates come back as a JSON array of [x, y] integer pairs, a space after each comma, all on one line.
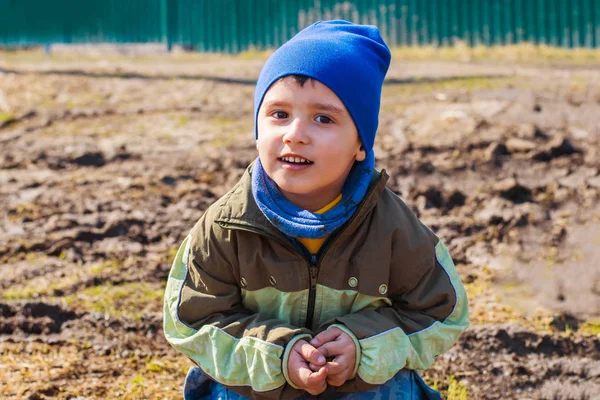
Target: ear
[[361, 154]]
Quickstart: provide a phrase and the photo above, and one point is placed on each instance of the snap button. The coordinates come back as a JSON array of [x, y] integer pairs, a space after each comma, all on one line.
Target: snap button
[[243, 282], [273, 281], [352, 282], [383, 289]]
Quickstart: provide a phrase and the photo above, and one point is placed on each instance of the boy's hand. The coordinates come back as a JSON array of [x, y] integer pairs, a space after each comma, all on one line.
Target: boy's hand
[[336, 343], [301, 355]]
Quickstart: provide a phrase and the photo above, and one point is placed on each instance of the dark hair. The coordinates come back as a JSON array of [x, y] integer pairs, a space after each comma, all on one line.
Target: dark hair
[[299, 79]]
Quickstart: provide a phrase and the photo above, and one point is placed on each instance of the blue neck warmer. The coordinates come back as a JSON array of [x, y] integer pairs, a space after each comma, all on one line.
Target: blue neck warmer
[[352, 61], [297, 222]]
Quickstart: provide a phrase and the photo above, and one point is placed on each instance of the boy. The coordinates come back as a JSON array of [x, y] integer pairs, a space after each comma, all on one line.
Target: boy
[[310, 277]]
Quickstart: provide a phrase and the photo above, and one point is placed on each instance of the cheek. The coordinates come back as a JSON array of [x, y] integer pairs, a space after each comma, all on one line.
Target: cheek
[[260, 147], [266, 133], [265, 149]]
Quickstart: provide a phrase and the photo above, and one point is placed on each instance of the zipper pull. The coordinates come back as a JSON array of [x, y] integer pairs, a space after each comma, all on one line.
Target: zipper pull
[[313, 277], [313, 260]]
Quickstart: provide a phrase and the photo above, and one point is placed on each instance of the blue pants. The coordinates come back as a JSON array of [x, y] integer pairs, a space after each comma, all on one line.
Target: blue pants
[[405, 385]]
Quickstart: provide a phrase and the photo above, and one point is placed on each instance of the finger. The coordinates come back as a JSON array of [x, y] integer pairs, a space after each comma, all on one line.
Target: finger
[[317, 382], [304, 373], [332, 349], [318, 378], [326, 336], [310, 354], [317, 390], [310, 379], [336, 367], [296, 368], [314, 367], [337, 380]]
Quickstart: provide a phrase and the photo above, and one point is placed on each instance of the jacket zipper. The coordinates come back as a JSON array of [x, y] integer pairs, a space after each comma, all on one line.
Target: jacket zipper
[[312, 292], [313, 261], [316, 258]]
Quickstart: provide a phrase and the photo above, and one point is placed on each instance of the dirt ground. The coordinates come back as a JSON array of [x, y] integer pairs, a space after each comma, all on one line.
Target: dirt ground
[[107, 163]]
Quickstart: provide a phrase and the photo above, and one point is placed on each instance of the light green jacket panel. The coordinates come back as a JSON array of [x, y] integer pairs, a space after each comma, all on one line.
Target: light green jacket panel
[[385, 353], [234, 346]]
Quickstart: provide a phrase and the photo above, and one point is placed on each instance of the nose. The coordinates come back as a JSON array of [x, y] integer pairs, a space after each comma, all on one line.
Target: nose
[[296, 132]]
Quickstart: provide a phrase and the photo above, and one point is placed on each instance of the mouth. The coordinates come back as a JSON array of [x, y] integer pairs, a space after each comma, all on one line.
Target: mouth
[[296, 160]]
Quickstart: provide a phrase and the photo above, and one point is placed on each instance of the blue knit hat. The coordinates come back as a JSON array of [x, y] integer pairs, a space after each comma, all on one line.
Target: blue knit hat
[[350, 59]]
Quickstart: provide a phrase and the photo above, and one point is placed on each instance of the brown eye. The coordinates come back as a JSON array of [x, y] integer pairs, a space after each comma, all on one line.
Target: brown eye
[[323, 119], [280, 114]]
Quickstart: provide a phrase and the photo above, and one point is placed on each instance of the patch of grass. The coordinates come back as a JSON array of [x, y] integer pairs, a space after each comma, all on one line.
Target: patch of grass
[[167, 256], [31, 292], [451, 389], [551, 256], [254, 54], [477, 287], [107, 266], [509, 286], [33, 367], [469, 84], [456, 390], [25, 293], [538, 321], [154, 366], [24, 210], [37, 290], [167, 136], [162, 365], [129, 300], [6, 116], [496, 301], [524, 53], [580, 83], [222, 122], [181, 121], [35, 256], [137, 386], [591, 327], [228, 134]]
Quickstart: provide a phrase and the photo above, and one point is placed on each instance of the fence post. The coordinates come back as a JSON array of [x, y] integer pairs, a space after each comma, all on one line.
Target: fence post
[[164, 24]]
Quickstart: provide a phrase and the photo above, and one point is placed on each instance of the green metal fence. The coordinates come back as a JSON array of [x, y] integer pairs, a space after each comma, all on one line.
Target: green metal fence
[[238, 25], [30, 22]]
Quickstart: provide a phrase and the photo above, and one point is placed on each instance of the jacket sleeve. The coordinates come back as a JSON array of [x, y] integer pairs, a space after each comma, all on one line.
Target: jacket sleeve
[[419, 323], [204, 318]]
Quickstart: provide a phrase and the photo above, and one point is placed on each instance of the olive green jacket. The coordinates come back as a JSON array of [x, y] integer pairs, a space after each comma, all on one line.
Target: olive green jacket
[[240, 293]]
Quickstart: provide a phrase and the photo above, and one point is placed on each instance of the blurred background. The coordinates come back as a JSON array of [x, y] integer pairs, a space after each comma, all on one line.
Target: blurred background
[[122, 121]]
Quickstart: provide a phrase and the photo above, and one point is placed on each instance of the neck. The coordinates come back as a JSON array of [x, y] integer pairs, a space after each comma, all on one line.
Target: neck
[[311, 202]]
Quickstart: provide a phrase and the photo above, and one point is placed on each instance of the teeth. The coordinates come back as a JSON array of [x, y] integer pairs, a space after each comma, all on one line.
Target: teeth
[[294, 159]]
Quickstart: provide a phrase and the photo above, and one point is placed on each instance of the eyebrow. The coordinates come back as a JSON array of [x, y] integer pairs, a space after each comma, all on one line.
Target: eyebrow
[[319, 106], [275, 103], [328, 107]]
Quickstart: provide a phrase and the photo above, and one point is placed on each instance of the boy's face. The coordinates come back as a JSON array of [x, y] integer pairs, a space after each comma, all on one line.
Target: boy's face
[[307, 141]]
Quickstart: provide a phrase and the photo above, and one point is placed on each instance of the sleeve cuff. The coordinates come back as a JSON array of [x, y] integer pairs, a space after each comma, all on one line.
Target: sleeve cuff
[[356, 343], [286, 356]]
